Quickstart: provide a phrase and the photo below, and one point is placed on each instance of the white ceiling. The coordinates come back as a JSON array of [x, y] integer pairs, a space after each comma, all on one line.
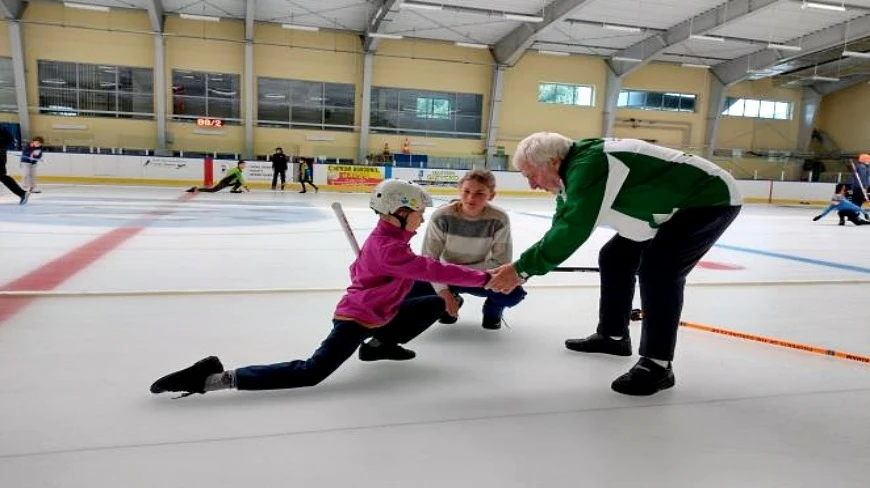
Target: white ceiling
[[580, 31]]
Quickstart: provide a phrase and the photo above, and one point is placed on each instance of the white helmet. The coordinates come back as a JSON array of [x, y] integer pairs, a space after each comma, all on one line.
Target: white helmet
[[393, 194]]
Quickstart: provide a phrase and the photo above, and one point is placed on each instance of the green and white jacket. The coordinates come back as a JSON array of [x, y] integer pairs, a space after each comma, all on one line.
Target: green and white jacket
[[628, 185]]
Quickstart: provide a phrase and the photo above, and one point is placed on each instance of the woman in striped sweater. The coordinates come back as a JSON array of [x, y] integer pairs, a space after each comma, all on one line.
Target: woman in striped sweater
[[472, 232]]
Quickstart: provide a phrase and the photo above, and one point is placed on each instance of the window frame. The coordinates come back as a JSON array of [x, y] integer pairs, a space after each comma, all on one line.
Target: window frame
[[636, 99], [91, 92], [206, 99], [309, 97], [574, 93], [758, 103]]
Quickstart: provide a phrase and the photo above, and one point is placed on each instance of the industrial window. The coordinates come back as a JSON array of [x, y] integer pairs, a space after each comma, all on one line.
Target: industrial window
[[304, 104], [197, 94], [95, 90], [759, 109], [564, 94], [426, 113], [650, 100], [8, 103]]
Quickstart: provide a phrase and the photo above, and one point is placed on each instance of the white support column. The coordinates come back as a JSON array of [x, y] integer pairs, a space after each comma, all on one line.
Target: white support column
[[714, 114], [365, 114], [249, 100], [160, 93], [810, 103], [494, 113], [250, 10], [611, 97], [16, 45]]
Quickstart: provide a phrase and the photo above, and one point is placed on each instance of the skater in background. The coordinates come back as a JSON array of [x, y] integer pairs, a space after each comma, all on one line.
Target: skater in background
[[860, 179], [472, 232], [668, 209], [374, 308], [30, 157], [234, 178], [306, 175], [6, 140], [845, 210], [279, 167]]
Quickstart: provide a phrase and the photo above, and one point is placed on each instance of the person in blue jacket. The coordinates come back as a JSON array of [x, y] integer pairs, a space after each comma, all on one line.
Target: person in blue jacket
[[846, 210]]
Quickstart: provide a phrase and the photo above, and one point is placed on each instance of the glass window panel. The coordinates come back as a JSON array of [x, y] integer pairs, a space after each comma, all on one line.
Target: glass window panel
[[782, 111], [750, 107], [273, 90], [385, 118], [411, 120], [636, 99], [622, 100], [671, 101], [469, 104], [136, 103], [687, 103], [385, 99], [58, 101], [192, 106], [8, 102], [222, 109], [583, 95], [136, 80], [57, 74], [274, 111], [306, 93], [766, 109], [222, 85], [306, 115], [98, 77], [654, 100], [468, 124], [99, 101], [736, 107], [408, 100], [7, 75], [188, 83], [336, 95], [338, 116]]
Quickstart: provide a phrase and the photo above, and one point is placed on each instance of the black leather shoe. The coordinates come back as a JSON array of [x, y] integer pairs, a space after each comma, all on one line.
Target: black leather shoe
[[644, 378], [597, 343]]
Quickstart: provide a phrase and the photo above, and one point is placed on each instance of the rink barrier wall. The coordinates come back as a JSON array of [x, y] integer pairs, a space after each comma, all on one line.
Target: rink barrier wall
[[169, 171]]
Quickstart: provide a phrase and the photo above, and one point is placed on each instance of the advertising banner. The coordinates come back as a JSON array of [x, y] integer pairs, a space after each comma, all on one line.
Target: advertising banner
[[343, 175], [438, 177]]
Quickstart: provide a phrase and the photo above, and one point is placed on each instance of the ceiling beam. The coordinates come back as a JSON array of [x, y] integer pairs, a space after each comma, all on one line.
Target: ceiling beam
[[377, 22], [652, 46], [155, 15], [250, 10], [510, 48], [739, 69], [835, 86], [834, 68], [11, 8]]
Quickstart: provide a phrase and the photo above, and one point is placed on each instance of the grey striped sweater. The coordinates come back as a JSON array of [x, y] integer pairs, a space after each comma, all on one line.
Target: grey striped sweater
[[481, 242]]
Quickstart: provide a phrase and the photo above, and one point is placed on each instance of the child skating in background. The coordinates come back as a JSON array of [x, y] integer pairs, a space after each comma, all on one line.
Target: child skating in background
[[845, 210], [306, 176], [30, 156], [234, 177], [374, 308]]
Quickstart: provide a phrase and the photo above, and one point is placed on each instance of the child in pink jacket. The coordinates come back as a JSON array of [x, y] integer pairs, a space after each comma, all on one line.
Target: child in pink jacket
[[374, 309]]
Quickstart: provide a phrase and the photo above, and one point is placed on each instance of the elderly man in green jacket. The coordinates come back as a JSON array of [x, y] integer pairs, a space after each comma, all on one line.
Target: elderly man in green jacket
[[668, 209]]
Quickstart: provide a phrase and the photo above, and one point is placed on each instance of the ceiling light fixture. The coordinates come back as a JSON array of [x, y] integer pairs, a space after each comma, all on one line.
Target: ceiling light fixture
[[381, 35], [702, 37], [553, 53], [307, 28], [524, 17], [783, 47], [824, 6], [823, 78], [84, 6], [856, 54], [421, 6], [627, 59], [472, 45], [203, 18], [623, 28], [695, 65]]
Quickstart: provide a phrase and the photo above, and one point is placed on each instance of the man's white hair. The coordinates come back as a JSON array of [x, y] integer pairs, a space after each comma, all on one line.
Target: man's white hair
[[540, 147]]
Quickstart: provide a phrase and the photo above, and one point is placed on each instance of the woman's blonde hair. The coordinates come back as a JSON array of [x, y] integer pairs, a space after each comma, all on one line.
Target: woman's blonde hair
[[482, 176]]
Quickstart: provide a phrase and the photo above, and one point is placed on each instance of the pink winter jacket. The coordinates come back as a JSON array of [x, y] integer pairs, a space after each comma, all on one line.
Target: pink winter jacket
[[386, 270]]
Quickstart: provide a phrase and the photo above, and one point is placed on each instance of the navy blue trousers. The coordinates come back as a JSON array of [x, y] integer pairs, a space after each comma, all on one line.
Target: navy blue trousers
[[493, 306], [415, 315], [661, 265]]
